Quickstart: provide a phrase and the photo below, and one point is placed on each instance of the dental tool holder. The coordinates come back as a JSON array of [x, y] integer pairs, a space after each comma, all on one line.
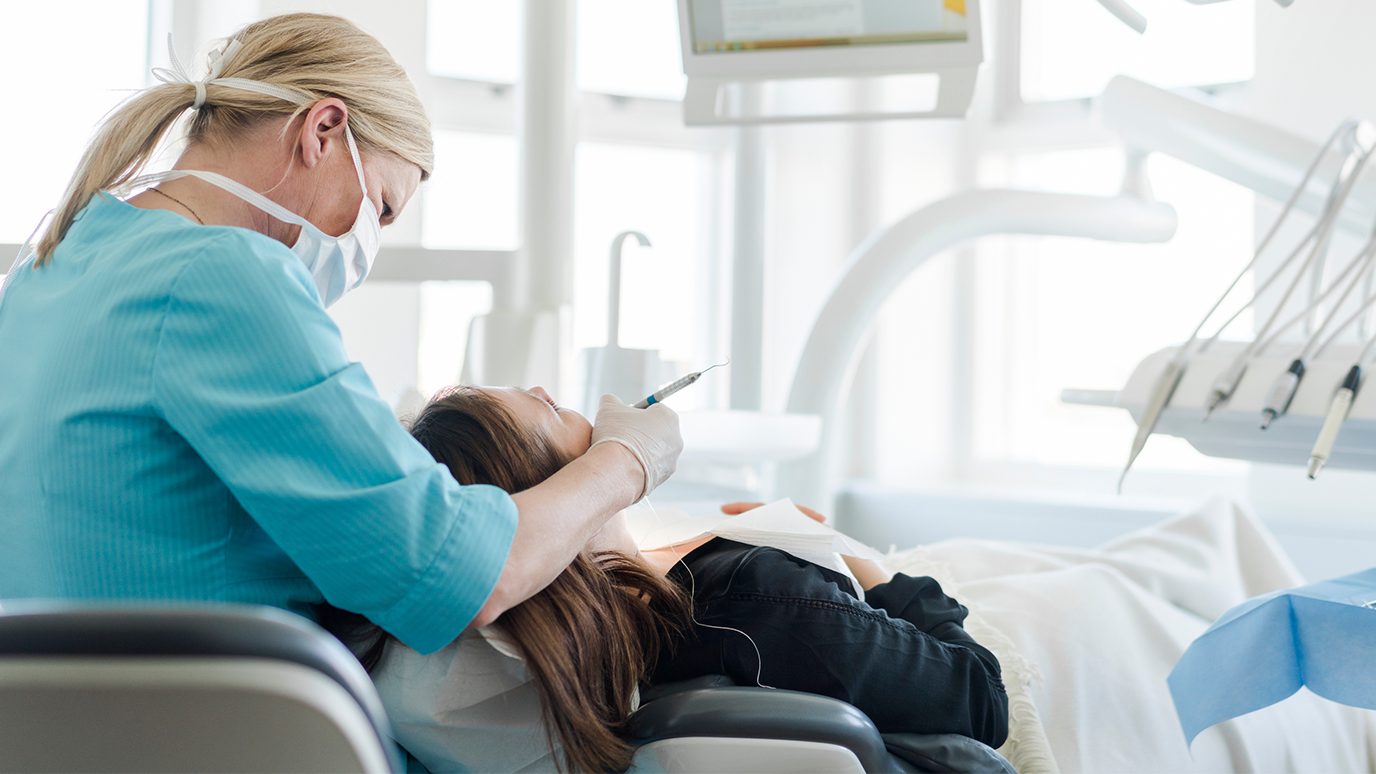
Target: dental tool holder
[[629, 374], [1233, 431]]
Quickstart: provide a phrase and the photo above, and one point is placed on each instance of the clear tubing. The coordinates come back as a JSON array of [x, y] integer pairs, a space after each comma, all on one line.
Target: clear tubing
[[1330, 215], [1280, 220], [1351, 169], [1364, 259], [1361, 310], [1326, 217]]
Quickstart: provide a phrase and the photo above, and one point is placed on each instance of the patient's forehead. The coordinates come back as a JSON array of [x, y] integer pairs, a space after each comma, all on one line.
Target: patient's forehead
[[528, 410]]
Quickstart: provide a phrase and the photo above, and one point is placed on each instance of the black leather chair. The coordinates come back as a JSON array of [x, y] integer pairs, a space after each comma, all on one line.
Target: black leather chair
[[711, 720], [182, 688], [253, 689]]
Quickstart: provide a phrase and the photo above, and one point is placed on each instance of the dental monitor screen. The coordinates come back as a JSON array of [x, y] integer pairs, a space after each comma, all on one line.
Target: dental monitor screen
[[726, 26]]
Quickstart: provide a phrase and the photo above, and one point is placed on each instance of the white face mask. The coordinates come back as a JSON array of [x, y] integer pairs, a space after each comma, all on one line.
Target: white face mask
[[338, 264]]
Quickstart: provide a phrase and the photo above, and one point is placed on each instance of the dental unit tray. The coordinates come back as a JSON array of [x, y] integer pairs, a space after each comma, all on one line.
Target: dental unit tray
[[1234, 431]]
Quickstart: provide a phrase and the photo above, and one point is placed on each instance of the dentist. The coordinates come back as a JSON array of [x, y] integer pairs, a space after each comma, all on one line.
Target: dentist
[[178, 419]]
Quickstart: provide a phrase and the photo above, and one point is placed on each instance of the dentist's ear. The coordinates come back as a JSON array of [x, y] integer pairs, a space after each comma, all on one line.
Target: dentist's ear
[[323, 126]]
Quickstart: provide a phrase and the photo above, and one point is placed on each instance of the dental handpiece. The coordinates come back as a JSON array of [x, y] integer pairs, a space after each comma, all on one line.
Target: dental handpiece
[[672, 387], [1282, 393], [1333, 422]]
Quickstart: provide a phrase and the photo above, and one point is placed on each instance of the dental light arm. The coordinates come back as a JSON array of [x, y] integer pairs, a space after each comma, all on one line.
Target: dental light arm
[[879, 265], [1134, 19]]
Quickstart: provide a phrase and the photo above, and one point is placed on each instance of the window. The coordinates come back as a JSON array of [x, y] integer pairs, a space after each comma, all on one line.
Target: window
[[636, 167], [471, 201], [1030, 317], [474, 39], [1057, 313], [660, 192], [1071, 48], [446, 309], [57, 89], [628, 48]]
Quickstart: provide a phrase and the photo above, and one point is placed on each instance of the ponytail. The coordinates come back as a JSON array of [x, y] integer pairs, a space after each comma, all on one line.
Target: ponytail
[[124, 143]]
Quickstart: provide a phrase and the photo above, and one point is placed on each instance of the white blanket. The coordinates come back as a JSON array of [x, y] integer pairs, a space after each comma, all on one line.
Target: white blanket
[[1087, 639]]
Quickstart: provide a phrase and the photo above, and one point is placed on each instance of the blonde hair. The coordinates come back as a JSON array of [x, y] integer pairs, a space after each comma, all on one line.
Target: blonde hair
[[315, 55]]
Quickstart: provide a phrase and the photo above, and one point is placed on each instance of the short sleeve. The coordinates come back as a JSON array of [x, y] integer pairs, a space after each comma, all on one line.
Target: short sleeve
[[252, 373]]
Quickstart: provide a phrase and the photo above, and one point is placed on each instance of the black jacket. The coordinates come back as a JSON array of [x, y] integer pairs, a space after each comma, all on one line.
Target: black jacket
[[901, 656]]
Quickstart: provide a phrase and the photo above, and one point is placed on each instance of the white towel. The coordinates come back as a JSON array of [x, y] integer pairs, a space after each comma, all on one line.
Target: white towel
[[1087, 637]]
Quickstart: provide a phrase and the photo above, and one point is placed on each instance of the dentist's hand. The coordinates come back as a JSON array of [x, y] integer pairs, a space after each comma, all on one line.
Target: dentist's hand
[[651, 435]]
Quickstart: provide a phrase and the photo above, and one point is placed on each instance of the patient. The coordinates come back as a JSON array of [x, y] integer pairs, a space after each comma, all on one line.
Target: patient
[[619, 618]]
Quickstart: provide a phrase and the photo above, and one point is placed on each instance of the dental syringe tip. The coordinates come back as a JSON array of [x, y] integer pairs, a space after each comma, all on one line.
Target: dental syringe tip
[[1315, 465]]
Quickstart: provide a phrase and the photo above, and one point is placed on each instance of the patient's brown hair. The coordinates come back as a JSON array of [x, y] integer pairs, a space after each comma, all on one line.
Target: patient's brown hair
[[591, 636]]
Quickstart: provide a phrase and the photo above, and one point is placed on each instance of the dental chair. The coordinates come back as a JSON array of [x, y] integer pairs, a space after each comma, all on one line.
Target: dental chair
[[252, 689], [710, 724], [161, 689]]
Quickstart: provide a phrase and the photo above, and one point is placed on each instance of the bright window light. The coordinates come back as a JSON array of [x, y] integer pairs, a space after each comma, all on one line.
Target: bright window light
[[627, 48], [475, 39], [662, 193], [1071, 48], [1057, 313], [471, 201], [446, 310], [56, 89], [630, 48]]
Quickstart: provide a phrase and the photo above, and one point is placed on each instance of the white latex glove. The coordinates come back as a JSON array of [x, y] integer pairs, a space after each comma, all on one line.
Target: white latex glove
[[650, 434]]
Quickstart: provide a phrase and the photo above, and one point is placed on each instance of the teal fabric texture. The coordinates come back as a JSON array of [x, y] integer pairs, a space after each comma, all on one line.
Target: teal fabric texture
[[179, 421]]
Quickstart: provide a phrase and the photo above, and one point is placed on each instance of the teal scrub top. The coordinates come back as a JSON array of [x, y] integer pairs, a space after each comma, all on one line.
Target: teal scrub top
[[179, 421]]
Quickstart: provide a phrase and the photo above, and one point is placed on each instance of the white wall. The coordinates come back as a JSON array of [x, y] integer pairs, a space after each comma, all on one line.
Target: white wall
[[1314, 60]]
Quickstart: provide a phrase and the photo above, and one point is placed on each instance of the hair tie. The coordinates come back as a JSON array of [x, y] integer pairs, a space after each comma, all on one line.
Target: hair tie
[[178, 74], [218, 57]]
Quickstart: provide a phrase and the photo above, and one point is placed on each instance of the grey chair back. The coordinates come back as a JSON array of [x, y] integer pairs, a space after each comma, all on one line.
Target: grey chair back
[[182, 688]]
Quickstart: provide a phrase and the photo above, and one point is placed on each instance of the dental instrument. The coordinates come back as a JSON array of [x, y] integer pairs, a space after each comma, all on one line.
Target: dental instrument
[[1282, 393], [1341, 404], [678, 384], [1224, 387], [1170, 378], [1283, 390], [1161, 395], [1333, 422]]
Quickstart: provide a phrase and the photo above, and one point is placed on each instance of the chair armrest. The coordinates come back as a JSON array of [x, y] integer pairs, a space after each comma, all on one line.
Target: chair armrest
[[947, 752], [758, 713]]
